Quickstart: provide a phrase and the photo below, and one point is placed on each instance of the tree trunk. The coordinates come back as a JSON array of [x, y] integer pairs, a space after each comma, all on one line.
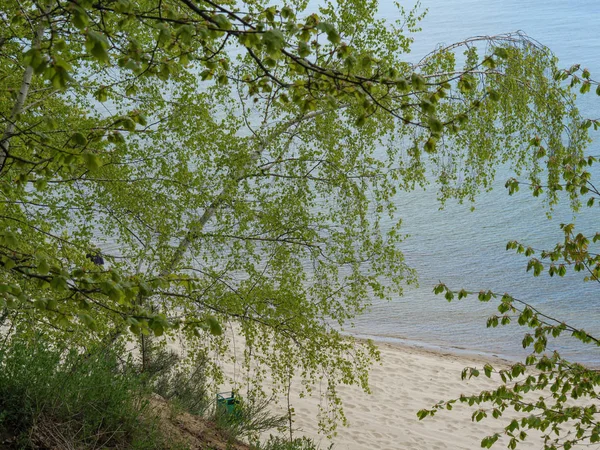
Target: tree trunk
[[19, 103]]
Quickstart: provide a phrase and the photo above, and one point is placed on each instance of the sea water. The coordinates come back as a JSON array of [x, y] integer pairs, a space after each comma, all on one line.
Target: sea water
[[465, 249]]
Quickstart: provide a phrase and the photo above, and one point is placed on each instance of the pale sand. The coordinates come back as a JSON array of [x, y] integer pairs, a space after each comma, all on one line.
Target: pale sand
[[407, 380]]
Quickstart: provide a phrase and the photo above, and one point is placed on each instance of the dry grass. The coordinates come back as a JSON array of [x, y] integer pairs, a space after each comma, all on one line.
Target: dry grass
[[191, 431]]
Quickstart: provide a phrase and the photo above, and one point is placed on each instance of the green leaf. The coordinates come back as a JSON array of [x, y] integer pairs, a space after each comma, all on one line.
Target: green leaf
[[43, 267], [360, 121], [489, 441], [97, 44], [91, 161], [99, 52], [222, 22], [423, 413], [164, 34], [585, 87], [79, 139], [79, 16], [101, 94], [435, 125], [488, 370], [303, 49], [87, 320], [40, 303], [274, 41], [332, 34], [214, 326], [11, 239], [157, 327], [36, 59], [430, 145], [493, 94], [501, 52], [417, 81]]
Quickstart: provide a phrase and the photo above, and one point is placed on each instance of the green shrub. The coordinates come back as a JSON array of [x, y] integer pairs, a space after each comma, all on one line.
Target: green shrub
[[185, 387], [59, 398], [249, 418], [280, 443]]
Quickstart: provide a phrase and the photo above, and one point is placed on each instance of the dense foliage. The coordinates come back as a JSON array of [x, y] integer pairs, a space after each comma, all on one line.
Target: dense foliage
[[57, 398], [234, 161]]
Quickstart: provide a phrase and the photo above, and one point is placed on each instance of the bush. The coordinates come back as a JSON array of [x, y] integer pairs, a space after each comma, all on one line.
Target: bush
[[249, 418], [280, 443], [184, 386], [58, 398]]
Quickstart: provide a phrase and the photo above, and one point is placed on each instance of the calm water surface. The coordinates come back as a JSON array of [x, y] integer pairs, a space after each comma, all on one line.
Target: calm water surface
[[467, 249]]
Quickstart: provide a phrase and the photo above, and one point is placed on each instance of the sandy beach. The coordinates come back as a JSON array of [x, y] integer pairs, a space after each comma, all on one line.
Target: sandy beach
[[408, 379]]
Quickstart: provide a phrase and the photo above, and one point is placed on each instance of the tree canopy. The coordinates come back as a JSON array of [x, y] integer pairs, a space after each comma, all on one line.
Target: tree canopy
[[238, 162]]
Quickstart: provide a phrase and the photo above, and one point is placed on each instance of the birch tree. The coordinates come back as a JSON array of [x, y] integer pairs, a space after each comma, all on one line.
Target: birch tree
[[244, 160]]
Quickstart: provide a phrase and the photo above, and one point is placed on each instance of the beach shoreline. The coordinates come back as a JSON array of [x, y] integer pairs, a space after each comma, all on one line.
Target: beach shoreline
[[437, 349]]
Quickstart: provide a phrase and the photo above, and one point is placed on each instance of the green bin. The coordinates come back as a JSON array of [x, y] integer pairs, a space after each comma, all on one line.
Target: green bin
[[227, 401]]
